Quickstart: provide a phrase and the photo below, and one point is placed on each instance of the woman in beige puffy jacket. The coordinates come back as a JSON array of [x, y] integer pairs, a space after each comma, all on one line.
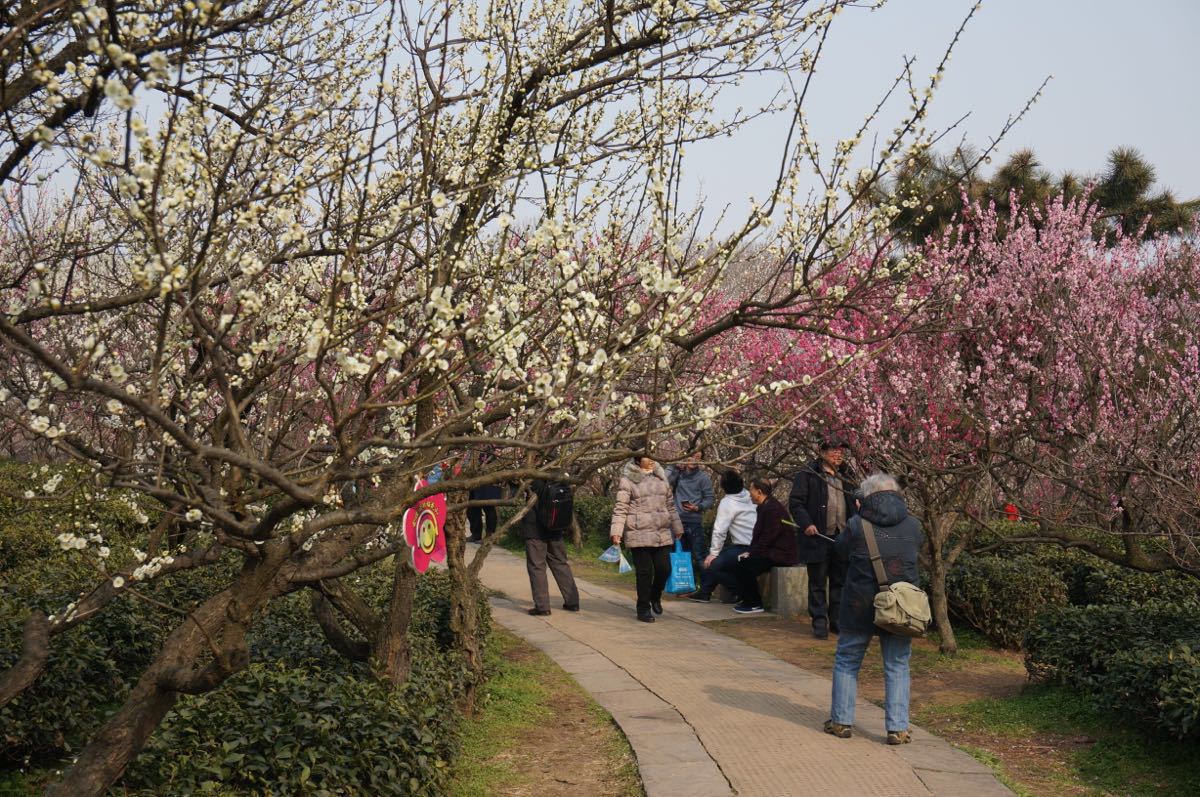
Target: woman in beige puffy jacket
[[645, 518]]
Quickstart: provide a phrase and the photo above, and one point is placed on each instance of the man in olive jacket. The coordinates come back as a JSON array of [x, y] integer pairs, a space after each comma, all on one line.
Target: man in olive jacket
[[821, 503]]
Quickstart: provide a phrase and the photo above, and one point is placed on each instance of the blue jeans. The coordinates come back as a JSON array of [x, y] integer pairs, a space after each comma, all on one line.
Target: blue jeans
[[693, 542], [851, 647], [722, 570]]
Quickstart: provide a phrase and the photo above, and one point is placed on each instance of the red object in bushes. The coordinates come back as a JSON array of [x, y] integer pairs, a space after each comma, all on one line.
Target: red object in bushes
[[1011, 513]]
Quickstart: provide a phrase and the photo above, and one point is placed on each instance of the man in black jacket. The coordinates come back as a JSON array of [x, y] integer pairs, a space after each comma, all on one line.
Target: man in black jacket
[[772, 544], [545, 547], [821, 503]]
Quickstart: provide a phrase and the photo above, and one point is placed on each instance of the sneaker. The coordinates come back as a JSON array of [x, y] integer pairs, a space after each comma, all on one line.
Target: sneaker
[[645, 618], [536, 612], [899, 737], [574, 607], [843, 731], [699, 597], [820, 630], [656, 606], [475, 540], [745, 608]]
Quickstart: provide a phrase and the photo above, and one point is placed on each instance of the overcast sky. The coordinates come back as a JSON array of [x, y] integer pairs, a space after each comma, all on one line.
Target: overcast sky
[[1124, 74]]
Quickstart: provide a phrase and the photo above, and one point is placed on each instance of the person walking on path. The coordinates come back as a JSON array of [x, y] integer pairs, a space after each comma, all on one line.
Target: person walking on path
[[482, 519], [693, 496], [736, 516], [644, 517], [544, 547], [898, 537], [772, 544], [821, 502]]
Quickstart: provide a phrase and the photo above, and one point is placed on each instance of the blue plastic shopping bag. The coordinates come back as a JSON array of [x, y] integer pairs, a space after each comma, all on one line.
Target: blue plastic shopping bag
[[682, 579]]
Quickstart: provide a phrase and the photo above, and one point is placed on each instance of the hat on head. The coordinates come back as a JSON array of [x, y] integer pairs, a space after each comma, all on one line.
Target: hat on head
[[832, 440]]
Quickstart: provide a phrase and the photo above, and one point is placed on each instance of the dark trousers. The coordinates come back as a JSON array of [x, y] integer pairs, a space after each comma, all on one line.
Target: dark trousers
[[823, 607], [539, 554], [723, 570], [476, 515], [652, 566], [692, 541], [748, 571]]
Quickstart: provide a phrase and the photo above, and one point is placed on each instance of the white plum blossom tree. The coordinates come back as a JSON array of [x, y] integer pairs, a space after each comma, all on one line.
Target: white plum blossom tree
[[259, 252]]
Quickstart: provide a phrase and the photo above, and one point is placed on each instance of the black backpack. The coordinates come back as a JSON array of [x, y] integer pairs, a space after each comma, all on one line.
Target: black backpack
[[555, 506]]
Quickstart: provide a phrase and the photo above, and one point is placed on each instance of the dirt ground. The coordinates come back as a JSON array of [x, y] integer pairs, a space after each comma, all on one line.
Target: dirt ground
[[570, 754]]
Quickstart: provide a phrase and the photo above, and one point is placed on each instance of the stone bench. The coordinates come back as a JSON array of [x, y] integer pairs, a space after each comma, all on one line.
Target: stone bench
[[787, 591], [784, 591]]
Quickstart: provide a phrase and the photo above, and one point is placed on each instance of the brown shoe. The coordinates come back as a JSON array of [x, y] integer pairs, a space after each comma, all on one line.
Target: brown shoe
[[842, 731], [899, 737]]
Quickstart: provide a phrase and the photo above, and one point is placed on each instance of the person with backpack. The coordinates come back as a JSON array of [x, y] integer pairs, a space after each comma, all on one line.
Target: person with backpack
[[543, 528], [693, 496], [644, 517], [896, 540]]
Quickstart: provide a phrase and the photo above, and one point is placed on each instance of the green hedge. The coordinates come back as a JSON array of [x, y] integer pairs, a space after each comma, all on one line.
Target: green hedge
[[298, 706], [28, 527], [1141, 660], [1091, 581], [300, 720], [1001, 597], [92, 666], [594, 513]]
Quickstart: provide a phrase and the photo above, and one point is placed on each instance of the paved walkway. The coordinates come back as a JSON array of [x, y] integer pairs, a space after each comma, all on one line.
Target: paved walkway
[[709, 716]]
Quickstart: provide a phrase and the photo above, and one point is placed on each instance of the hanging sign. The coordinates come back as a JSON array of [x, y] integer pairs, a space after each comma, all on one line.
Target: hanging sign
[[425, 528]]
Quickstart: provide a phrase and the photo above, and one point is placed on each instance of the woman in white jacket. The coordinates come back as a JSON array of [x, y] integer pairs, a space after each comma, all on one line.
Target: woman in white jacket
[[735, 521]]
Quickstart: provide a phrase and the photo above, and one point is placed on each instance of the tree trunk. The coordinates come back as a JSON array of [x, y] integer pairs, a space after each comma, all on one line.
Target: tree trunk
[[391, 650], [220, 623], [576, 533], [116, 744], [35, 650], [352, 648], [464, 609], [940, 606], [939, 533]]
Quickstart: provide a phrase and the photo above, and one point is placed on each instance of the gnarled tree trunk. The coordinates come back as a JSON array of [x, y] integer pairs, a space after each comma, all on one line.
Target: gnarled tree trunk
[[214, 632], [937, 538], [464, 607]]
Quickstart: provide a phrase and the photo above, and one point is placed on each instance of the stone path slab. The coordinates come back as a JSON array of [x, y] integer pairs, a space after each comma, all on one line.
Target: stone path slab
[[709, 716]]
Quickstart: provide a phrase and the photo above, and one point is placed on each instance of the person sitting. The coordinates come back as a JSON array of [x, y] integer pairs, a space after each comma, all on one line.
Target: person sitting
[[772, 544], [898, 537], [736, 515]]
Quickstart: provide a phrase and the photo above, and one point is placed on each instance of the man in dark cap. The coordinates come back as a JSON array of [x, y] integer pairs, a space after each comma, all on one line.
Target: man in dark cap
[[821, 502]]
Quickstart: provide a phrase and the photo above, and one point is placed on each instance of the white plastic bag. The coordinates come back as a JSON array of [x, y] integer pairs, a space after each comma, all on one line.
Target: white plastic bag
[[624, 567], [612, 555]]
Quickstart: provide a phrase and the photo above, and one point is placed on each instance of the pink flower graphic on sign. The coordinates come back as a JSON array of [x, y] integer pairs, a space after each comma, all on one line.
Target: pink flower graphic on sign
[[425, 530]]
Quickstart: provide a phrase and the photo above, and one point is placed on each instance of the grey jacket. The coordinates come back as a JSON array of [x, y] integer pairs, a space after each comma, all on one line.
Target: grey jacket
[[644, 515], [690, 485]]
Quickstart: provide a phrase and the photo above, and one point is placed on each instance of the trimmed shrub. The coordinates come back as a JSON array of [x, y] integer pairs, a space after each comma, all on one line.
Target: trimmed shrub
[[1001, 597], [1143, 660], [1158, 685], [92, 666], [275, 729], [594, 513], [302, 720], [28, 527]]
